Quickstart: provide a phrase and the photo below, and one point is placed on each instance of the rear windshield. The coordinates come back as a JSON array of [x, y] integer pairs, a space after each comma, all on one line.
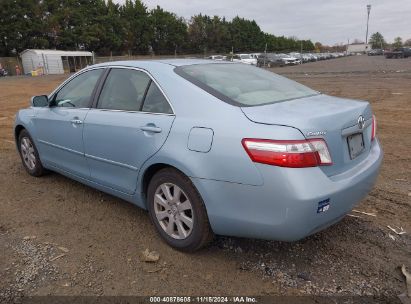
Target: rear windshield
[[243, 85]]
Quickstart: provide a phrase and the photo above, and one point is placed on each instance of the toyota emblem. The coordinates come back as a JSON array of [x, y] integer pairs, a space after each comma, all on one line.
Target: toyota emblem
[[361, 122]]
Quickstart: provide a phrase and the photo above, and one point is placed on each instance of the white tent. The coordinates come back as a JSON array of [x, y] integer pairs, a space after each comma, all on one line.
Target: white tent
[[55, 61], [357, 48]]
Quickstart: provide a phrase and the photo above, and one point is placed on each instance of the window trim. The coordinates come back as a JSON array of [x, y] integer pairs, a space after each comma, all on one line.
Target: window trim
[[152, 79], [53, 94], [145, 95]]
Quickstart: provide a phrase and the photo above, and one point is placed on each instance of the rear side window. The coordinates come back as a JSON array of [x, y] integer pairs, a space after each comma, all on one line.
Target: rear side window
[[124, 89], [155, 101], [243, 85]]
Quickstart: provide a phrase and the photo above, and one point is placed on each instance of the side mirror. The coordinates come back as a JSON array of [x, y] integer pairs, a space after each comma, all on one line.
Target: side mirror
[[40, 101]]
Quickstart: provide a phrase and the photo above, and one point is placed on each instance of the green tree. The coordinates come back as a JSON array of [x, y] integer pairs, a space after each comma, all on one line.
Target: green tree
[[22, 26], [72, 24], [112, 39], [397, 42], [377, 41], [209, 34], [198, 33], [246, 35], [219, 37], [136, 27], [105, 26], [307, 45], [168, 31]]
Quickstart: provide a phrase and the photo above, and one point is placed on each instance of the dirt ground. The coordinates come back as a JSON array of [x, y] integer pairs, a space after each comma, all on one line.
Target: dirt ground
[[59, 237]]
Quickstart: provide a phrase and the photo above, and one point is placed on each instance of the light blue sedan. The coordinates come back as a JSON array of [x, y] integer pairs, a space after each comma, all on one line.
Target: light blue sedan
[[207, 147]]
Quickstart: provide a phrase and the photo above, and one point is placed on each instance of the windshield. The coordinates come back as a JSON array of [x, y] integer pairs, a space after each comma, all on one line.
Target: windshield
[[245, 56], [243, 85]]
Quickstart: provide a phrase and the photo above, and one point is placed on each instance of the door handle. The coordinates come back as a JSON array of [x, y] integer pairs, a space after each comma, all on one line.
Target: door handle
[[151, 128], [76, 121]]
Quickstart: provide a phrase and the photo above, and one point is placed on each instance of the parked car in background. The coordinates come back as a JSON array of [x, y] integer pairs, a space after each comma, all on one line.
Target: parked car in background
[[269, 60], [306, 58], [402, 52], [288, 60], [256, 155], [299, 56], [217, 57], [244, 58], [255, 55], [376, 52], [313, 57], [294, 58]]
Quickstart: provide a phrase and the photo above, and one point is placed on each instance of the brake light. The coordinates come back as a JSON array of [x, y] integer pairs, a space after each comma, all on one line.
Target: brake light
[[374, 128], [288, 153]]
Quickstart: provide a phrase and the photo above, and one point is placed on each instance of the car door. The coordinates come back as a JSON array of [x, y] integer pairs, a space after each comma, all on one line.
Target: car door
[[59, 127], [130, 123]]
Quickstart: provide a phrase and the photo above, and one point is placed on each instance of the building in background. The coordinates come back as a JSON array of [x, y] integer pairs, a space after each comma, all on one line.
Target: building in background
[[358, 48], [54, 61]]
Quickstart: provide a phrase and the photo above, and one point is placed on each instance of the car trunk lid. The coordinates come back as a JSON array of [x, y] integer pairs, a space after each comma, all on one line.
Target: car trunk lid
[[321, 116]]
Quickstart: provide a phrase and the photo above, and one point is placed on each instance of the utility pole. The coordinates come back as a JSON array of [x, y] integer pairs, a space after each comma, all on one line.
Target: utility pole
[[368, 18], [301, 53]]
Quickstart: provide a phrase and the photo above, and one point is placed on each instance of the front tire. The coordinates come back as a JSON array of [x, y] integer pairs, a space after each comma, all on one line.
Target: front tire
[[177, 211], [29, 155]]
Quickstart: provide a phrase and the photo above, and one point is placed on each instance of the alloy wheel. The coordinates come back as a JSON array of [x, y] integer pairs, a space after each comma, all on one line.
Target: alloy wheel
[[173, 211], [27, 152]]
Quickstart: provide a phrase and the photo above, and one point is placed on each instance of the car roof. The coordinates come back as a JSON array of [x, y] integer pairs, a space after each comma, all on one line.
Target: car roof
[[156, 62]]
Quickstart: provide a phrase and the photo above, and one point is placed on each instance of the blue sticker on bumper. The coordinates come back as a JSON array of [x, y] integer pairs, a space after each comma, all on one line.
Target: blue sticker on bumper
[[323, 205]]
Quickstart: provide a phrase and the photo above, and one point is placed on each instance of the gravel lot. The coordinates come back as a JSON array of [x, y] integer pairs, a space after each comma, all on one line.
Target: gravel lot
[[58, 237]]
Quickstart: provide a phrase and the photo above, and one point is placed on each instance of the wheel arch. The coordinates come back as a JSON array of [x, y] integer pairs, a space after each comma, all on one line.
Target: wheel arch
[[148, 174], [17, 130], [151, 169]]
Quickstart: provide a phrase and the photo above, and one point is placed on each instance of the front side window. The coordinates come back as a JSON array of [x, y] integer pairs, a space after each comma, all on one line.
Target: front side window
[[124, 89], [78, 92], [243, 85]]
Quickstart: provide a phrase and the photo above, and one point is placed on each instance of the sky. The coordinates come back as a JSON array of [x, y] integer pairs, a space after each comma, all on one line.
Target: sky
[[327, 21]]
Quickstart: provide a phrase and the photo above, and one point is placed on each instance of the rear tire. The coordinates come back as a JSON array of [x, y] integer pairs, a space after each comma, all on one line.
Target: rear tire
[[29, 155], [177, 211]]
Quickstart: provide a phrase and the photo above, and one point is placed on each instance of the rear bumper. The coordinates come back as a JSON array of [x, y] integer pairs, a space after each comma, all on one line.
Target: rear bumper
[[286, 206]]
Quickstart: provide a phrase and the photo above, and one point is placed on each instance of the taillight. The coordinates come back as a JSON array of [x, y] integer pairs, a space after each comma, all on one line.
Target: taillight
[[374, 128], [288, 153]]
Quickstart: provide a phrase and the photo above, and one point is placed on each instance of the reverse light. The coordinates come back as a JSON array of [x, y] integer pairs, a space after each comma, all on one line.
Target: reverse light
[[374, 128], [288, 153]]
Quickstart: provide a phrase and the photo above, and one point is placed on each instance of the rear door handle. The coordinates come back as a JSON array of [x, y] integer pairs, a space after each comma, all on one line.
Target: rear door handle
[[151, 128]]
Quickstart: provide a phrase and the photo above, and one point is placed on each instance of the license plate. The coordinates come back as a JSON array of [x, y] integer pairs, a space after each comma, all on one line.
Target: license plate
[[355, 145]]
